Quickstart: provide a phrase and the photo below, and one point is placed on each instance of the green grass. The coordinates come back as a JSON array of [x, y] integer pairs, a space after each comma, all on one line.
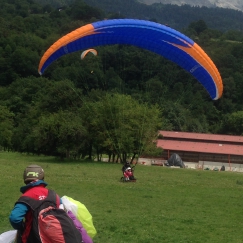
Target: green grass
[[164, 205]]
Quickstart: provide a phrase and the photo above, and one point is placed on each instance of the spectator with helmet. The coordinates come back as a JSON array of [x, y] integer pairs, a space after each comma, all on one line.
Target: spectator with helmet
[[128, 174], [21, 215]]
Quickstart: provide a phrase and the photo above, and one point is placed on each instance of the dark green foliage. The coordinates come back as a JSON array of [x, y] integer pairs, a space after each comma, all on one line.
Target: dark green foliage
[[198, 26], [177, 17], [67, 113], [81, 11]]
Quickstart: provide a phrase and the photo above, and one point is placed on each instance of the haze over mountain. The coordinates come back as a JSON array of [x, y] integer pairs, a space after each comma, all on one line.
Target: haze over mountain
[[177, 14], [231, 4]]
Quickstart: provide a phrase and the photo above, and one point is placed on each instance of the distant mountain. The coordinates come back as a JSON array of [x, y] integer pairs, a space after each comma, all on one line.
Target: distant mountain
[[178, 14], [231, 4], [177, 17]]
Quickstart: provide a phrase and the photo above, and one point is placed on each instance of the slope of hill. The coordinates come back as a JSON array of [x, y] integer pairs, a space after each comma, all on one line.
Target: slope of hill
[[177, 17], [232, 4], [176, 13]]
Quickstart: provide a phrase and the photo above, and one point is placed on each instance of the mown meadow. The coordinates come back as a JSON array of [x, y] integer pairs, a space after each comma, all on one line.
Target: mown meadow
[[164, 205]]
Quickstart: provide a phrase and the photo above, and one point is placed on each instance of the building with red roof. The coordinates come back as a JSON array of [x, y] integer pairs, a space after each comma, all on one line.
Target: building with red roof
[[195, 147]]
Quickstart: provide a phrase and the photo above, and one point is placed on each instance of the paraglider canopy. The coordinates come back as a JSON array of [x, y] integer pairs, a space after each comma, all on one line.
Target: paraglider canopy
[[154, 37], [84, 53], [175, 160]]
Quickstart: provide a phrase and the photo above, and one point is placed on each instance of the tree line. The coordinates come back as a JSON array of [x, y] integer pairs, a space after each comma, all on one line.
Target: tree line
[[113, 103], [178, 17]]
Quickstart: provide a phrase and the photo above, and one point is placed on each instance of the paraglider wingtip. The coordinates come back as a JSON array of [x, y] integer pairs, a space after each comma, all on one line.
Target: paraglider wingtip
[[40, 73], [217, 97]]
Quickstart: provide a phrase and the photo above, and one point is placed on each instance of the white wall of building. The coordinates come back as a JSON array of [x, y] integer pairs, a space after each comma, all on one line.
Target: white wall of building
[[194, 165]]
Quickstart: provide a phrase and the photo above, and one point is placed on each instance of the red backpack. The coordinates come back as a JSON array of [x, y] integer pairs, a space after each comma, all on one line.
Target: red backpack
[[51, 224]]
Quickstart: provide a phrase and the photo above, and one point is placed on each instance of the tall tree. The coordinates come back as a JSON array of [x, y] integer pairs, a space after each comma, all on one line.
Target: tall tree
[[126, 126], [6, 127], [58, 133]]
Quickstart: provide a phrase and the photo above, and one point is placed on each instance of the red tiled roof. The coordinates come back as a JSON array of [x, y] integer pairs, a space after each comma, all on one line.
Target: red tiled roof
[[202, 136], [200, 147]]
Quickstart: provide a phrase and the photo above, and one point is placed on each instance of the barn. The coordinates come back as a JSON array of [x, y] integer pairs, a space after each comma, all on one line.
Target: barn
[[194, 147], [202, 148]]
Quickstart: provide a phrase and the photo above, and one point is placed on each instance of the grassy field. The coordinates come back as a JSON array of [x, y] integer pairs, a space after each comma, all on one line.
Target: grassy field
[[164, 205]]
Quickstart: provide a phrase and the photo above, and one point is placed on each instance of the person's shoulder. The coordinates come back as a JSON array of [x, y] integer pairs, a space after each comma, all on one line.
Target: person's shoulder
[[36, 192]]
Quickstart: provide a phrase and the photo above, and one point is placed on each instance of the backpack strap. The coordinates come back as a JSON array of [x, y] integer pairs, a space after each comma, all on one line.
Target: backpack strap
[[34, 204]]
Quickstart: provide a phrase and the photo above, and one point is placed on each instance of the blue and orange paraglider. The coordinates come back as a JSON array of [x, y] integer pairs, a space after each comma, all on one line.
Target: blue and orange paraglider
[[155, 37]]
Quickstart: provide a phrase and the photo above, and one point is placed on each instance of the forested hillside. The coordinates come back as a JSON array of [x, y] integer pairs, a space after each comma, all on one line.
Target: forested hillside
[[105, 103], [178, 17]]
